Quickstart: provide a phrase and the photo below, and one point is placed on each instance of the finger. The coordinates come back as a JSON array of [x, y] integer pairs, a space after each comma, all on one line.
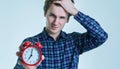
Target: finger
[[21, 47], [43, 57], [20, 63], [19, 54], [41, 60], [59, 2]]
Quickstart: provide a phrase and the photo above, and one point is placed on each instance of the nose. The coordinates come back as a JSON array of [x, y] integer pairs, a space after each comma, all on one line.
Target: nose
[[56, 21]]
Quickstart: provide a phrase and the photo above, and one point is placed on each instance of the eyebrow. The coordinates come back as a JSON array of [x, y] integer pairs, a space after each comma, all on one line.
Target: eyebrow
[[57, 4], [55, 15]]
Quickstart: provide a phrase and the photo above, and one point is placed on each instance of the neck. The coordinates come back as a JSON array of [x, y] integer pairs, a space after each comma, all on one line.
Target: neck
[[53, 35]]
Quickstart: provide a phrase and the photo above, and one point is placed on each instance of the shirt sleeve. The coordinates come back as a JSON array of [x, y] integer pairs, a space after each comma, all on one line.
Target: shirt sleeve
[[17, 66], [95, 35]]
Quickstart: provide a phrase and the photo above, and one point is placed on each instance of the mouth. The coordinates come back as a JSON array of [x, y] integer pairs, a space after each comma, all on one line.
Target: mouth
[[54, 28]]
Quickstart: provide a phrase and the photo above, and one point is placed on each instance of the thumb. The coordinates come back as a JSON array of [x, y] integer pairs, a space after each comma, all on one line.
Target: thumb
[[41, 60]]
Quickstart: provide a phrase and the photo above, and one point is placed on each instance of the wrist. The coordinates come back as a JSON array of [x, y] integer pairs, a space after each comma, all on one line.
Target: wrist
[[74, 12]]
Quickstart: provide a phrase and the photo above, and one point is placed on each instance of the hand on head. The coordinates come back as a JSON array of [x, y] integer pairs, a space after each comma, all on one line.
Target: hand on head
[[68, 5]]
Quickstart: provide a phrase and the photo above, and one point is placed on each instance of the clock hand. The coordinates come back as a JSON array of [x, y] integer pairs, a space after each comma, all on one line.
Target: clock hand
[[29, 57], [31, 51], [30, 54]]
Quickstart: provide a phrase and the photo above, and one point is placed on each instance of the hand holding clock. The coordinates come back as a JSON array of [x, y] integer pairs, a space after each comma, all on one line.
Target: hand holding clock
[[30, 54]]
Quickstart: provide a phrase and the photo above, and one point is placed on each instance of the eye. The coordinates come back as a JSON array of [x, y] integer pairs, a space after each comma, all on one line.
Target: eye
[[52, 15], [62, 17]]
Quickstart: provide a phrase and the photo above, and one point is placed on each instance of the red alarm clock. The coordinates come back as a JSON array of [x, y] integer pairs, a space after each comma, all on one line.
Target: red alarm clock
[[32, 54]]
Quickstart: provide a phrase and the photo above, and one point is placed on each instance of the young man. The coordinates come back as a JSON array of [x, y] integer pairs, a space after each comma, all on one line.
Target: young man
[[61, 50]]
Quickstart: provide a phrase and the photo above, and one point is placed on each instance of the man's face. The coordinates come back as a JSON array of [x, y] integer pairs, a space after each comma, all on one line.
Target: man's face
[[56, 18]]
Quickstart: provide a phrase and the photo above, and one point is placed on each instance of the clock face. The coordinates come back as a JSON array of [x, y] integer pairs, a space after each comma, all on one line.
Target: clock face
[[31, 55]]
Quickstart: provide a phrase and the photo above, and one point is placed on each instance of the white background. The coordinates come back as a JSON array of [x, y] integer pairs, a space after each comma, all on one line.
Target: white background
[[23, 18]]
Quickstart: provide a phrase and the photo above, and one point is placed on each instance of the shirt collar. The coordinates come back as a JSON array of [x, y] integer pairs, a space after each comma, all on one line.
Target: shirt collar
[[45, 35]]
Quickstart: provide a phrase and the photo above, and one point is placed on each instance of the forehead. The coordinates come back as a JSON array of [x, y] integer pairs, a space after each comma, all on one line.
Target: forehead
[[58, 10]]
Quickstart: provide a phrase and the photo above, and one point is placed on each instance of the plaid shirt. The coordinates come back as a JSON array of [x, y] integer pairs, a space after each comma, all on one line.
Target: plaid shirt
[[64, 52]]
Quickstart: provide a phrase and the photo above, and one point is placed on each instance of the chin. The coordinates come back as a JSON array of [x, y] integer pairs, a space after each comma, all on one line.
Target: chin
[[54, 31]]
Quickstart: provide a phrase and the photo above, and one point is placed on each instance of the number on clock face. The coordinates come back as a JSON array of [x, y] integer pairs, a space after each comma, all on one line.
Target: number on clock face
[[31, 55]]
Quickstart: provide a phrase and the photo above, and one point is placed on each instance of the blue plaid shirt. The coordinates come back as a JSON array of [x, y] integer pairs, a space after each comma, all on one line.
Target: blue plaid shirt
[[64, 52]]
